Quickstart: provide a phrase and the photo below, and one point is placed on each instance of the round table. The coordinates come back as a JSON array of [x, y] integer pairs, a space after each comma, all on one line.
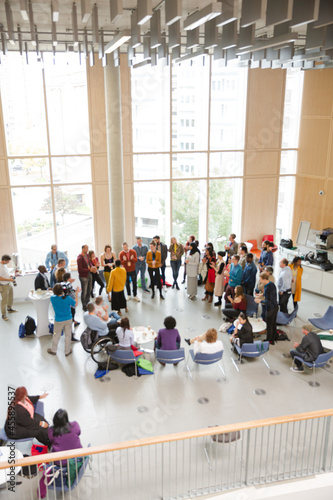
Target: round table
[[143, 334], [42, 302], [327, 344], [7, 452], [258, 325]]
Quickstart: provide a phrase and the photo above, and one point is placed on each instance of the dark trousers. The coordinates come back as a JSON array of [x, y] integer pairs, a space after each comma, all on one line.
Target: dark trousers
[[132, 275], [271, 324], [283, 301], [96, 279], [231, 313], [85, 290], [154, 274], [295, 303], [229, 292], [163, 266], [175, 266], [248, 289], [294, 353]]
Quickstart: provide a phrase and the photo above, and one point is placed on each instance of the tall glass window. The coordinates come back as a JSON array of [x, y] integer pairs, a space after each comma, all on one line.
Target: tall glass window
[[152, 210], [189, 209]]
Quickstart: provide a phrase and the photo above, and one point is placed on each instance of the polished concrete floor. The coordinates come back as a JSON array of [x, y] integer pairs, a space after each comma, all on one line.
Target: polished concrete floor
[[109, 412]]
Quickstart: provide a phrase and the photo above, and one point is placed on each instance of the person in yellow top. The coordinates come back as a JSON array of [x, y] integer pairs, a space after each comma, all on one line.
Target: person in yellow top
[[116, 287], [296, 284], [153, 260]]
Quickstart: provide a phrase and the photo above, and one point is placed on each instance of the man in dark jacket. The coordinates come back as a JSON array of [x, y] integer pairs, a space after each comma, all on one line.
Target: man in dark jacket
[[309, 349], [269, 301], [249, 275]]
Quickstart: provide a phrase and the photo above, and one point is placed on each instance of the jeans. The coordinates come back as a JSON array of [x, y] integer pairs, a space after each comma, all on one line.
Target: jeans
[[114, 317], [132, 275], [175, 266], [248, 289], [142, 269], [294, 353], [85, 290]]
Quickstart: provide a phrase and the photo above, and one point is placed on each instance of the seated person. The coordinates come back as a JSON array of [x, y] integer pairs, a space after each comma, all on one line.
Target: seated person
[[94, 322], [168, 338], [238, 303], [125, 334], [22, 420], [243, 331], [112, 318], [64, 435], [41, 280], [309, 349], [208, 343]]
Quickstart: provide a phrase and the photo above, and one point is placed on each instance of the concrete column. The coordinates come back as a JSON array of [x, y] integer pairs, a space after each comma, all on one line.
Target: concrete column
[[115, 154]]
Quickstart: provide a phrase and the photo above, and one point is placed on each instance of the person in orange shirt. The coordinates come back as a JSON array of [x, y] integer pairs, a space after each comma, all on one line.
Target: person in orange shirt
[[153, 260]]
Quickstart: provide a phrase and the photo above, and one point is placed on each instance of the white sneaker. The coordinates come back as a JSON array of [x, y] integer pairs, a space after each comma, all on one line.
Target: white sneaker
[[136, 298], [129, 298]]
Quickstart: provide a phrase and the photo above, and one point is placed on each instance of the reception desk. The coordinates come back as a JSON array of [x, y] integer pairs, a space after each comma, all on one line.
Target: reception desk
[[26, 283]]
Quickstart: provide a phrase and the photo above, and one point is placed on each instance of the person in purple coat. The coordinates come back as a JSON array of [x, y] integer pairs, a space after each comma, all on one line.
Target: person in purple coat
[[168, 338], [64, 435]]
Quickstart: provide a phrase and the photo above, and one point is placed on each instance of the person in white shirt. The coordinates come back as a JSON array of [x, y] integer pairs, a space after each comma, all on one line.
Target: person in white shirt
[[125, 334], [284, 285], [209, 343], [101, 310], [6, 288]]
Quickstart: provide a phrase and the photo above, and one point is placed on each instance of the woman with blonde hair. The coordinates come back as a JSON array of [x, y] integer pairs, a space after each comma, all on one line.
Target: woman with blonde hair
[[207, 343]]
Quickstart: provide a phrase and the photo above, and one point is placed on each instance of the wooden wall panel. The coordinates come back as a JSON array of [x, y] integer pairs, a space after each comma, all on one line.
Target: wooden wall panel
[[96, 97], [101, 217], [265, 101], [330, 160], [309, 204], [7, 227], [2, 133], [318, 93], [262, 162], [3, 173], [100, 169], [313, 146], [129, 214], [128, 170], [259, 208], [327, 219]]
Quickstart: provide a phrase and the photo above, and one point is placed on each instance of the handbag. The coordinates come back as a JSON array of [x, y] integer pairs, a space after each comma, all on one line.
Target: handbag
[[211, 275]]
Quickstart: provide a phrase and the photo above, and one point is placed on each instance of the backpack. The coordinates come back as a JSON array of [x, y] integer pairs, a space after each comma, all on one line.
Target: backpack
[[288, 243], [30, 325], [87, 339], [282, 335]]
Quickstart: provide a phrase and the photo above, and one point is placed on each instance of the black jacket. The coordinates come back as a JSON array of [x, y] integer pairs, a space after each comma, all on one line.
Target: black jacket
[[270, 294], [311, 346], [21, 425], [40, 283], [245, 334]]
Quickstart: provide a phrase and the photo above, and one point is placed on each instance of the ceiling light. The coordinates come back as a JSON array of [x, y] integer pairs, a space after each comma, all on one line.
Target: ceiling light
[[32, 24], [117, 41], [135, 30], [94, 25], [274, 41], [85, 10], [202, 16], [145, 11], [55, 11], [10, 25], [74, 26], [116, 10], [155, 30], [173, 11], [24, 10]]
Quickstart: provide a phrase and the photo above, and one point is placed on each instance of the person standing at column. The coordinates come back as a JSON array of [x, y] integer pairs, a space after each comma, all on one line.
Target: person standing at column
[[52, 260], [141, 251], [6, 287], [161, 247], [270, 302], [85, 269], [108, 259], [154, 262], [284, 285], [128, 259]]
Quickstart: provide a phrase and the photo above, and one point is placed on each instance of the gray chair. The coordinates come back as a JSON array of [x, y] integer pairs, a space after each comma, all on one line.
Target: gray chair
[[320, 362], [255, 350], [206, 359], [285, 318], [324, 323]]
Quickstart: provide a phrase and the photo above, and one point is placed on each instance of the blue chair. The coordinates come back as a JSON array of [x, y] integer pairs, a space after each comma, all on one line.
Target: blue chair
[[170, 357], [285, 318], [57, 475], [324, 323], [320, 362], [255, 350], [206, 359], [124, 357], [39, 408], [252, 307]]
